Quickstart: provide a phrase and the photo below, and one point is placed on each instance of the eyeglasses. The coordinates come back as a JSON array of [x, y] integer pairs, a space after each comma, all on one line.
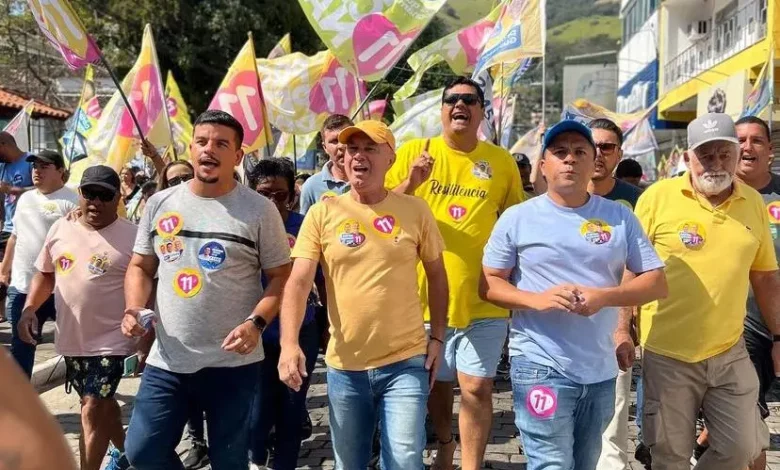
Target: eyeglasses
[[607, 148], [278, 196], [177, 180], [103, 195], [469, 99]]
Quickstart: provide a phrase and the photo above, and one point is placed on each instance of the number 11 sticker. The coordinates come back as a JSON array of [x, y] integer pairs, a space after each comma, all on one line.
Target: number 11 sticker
[[187, 283]]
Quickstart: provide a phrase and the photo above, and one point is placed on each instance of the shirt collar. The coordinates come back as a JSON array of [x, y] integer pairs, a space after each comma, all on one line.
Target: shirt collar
[[686, 187], [327, 175]]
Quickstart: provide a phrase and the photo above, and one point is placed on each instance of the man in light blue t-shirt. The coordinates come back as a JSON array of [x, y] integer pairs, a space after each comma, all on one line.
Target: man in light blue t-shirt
[[557, 261], [332, 180]]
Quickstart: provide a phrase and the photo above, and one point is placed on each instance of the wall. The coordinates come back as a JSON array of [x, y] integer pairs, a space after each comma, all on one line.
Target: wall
[[596, 83], [727, 96]]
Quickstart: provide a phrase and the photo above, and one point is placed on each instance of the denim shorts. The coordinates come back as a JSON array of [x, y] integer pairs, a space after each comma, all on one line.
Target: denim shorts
[[474, 350]]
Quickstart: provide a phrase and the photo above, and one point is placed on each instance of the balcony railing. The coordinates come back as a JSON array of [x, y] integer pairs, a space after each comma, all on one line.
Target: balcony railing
[[732, 34]]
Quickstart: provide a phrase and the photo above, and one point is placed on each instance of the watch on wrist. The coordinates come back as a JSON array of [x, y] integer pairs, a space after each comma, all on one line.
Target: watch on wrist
[[258, 321]]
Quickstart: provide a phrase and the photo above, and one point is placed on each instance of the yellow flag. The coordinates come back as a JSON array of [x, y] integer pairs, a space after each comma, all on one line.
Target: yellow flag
[[283, 47], [61, 25], [240, 96], [181, 126]]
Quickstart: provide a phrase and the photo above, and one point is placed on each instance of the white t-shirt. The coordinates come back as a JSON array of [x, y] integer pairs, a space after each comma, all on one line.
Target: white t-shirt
[[35, 214]]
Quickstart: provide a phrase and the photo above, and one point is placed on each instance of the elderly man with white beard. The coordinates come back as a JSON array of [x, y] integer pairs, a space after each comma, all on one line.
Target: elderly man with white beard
[[713, 234]]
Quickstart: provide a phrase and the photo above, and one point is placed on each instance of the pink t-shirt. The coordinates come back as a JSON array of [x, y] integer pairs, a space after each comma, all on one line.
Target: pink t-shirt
[[89, 268]]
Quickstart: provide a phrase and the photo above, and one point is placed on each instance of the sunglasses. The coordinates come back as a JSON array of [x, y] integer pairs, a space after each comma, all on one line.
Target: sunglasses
[[606, 148], [177, 180], [91, 194], [469, 99], [278, 196]]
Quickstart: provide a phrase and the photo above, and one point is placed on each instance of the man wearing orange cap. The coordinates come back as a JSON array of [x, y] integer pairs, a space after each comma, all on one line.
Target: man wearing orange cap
[[380, 362]]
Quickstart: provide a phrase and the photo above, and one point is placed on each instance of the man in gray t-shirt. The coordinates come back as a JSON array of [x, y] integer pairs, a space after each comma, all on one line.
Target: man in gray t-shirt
[[208, 241]]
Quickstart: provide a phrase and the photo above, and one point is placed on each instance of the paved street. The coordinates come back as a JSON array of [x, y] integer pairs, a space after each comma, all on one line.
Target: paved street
[[502, 451]]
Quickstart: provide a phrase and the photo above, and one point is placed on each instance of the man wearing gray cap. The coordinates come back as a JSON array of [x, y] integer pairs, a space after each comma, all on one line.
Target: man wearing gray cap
[[713, 234]]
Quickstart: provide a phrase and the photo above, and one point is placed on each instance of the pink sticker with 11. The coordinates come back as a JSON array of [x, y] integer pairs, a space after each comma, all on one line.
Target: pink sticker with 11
[[541, 402]]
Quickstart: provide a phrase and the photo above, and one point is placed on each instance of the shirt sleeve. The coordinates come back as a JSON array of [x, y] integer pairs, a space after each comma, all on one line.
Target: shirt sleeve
[[515, 193], [309, 242], [643, 213], [641, 254], [307, 197], [431, 243], [400, 169], [44, 263], [501, 248], [143, 239], [766, 258], [272, 245]]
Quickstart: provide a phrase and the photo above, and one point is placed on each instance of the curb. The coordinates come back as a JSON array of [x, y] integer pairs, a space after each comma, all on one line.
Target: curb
[[48, 374]]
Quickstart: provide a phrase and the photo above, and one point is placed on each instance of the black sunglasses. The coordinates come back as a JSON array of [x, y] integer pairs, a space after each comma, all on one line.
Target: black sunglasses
[[278, 196], [177, 180], [469, 99], [91, 194]]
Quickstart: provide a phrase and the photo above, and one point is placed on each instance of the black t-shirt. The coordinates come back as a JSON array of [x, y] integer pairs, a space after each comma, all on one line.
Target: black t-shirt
[[773, 187], [626, 192]]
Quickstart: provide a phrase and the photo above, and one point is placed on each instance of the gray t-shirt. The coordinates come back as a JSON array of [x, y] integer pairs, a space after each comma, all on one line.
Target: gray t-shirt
[[211, 253], [771, 194]]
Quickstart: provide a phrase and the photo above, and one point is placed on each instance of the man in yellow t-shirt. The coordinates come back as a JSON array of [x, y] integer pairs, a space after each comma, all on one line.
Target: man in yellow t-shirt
[[713, 234], [380, 362], [467, 184]]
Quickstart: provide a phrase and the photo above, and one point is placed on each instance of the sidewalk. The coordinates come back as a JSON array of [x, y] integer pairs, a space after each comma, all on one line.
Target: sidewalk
[[49, 370]]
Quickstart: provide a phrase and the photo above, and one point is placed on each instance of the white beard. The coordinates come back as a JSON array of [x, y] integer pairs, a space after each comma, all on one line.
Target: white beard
[[714, 183]]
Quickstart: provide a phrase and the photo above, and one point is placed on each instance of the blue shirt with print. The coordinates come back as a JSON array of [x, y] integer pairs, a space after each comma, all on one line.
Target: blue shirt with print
[[547, 245], [319, 184], [19, 175]]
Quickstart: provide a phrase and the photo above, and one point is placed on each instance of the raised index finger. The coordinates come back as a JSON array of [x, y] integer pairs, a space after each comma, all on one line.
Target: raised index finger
[[427, 144]]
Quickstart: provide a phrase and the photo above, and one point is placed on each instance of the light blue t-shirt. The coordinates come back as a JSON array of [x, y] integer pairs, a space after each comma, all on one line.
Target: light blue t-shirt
[[548, 245], [18, 175], [318, 186]]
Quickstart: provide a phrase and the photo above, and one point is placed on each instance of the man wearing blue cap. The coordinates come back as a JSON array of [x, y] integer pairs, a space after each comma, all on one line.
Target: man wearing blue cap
[[557, 261]]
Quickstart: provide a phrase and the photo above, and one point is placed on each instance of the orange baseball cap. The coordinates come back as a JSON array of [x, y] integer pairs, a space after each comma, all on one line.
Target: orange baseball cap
[[375, 130]]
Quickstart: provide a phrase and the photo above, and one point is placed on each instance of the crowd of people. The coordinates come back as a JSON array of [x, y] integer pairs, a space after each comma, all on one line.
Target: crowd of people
[[413, 268]]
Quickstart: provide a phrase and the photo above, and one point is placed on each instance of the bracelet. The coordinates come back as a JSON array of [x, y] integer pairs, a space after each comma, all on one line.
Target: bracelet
[[776, 338], [433, 338]]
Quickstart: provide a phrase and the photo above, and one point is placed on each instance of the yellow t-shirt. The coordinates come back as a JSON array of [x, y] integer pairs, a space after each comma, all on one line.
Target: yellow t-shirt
[[369, 255], [466, 192], [709, 253]]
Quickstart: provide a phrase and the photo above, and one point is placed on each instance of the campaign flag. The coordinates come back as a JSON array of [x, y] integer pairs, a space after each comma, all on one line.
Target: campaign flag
[[376, 109], [640, 140], [241, 96], [421, 120], [83, 121], [520, 32], [639, 136], [459, 49], [761, 95], [283, 47], [301, 91], [529, 144], [507, 121], [402, 106], [367, 36], [19, 126], [181, 125], [61, 25], [303, 147], [115, 140]]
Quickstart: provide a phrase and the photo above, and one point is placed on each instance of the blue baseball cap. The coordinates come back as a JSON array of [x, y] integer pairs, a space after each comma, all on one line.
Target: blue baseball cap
[[567, 125]]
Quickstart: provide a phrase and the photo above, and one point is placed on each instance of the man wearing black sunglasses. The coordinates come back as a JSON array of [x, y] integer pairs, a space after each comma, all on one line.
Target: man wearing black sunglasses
[[609, 140], [467, 183]]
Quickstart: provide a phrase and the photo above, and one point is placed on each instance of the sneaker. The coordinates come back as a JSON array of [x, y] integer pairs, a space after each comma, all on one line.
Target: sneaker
[[698, 451], [642, 455], [197, 456], [116, 460]]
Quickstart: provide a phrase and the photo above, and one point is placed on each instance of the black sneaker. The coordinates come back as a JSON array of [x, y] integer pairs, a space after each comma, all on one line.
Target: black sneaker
[[699, 450], [197, 456], [642, 455]]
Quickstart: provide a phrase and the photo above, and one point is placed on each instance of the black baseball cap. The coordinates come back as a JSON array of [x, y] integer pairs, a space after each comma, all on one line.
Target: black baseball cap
[[102, 176], [48, 156]]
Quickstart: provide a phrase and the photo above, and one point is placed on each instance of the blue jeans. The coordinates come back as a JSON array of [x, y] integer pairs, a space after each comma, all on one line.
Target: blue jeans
[[561, 421], [277, 405], [396, 395], [24, 353], [640, 405], [162, 407]]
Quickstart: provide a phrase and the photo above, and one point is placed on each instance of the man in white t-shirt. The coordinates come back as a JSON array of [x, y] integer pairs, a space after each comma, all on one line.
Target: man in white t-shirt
[[36, 212]]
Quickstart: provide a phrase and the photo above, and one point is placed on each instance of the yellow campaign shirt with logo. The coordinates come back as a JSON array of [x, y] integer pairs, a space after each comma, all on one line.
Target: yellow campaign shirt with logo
[[466, 192], [369, 255], [709, 253]]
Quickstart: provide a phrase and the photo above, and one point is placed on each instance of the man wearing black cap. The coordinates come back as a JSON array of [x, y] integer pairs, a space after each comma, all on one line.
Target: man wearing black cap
[[36, 212], [87, 259]]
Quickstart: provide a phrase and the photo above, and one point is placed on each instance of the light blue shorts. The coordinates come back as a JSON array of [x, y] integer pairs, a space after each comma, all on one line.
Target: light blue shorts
[[474, 350]]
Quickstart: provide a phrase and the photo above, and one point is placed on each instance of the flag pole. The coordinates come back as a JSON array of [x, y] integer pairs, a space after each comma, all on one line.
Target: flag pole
[[544, 89], [121, 92], [262, 101], [501, 105], [295, 156], [368, 96], [165, 99], [771, 84]]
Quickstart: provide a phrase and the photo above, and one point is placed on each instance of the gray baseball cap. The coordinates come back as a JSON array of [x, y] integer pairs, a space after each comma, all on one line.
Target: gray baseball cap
[[710, 127]]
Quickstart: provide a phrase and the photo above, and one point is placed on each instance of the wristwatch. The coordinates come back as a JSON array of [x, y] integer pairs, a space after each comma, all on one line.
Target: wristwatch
[[258, 321]]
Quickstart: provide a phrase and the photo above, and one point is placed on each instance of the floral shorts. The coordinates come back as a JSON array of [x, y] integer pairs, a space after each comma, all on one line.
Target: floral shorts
[[94, 375]]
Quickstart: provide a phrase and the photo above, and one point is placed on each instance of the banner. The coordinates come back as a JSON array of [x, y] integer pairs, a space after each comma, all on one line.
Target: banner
[[640, 140], [301, 91], [62, 27], [83, 121], [115, 140], [422, 120], [487, 129], [368, 36], [179, 116], [520, 32], [283, 47], [376, 109], [638, 134], [241, 96], [529, 144], [19, 126], [507, 121], [761, 95], [301, 146], [459, 49], [402, 106]]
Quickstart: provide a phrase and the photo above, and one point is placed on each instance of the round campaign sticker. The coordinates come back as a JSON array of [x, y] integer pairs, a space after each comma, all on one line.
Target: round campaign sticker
[[65, 263], [386, 225], [482, 170], [171, 249], [49, 208], [773, 208], [99, 263], [692, 234], [291, 240], [187, 283], [170, 223], [541, 402], [457, 212], [212, 255], [327, 195], [596, 231], [351, 235]]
